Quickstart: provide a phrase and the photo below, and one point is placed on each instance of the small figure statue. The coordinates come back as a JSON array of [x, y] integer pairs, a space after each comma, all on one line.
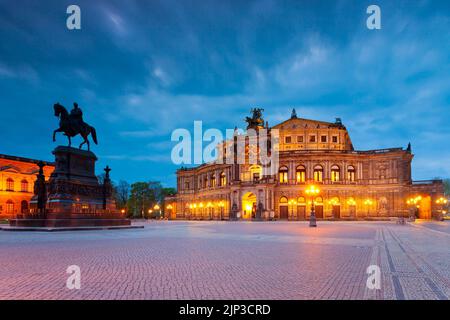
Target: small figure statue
[[72, 124]]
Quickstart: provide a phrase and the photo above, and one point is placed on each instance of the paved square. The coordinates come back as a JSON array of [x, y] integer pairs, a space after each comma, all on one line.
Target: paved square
[[230, 260]]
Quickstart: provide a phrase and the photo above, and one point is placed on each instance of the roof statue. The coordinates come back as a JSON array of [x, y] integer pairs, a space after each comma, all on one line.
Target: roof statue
[[256, 121]]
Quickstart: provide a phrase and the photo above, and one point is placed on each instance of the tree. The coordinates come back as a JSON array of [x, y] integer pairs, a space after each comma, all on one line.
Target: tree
[[141, 199], [122, 193], [447, 187]]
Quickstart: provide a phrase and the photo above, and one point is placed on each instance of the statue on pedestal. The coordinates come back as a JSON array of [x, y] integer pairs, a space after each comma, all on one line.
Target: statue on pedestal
[[72, 124]]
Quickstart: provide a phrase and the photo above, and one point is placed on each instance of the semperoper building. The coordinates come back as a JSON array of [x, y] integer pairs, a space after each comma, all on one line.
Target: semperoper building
[[373, 184]]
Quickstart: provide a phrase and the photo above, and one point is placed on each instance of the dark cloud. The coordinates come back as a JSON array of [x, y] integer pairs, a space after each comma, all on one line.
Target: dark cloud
[[140, 69]]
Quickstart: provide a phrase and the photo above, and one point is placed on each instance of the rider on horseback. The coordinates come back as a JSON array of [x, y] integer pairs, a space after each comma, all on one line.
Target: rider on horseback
[[72, 124], [76, 115]]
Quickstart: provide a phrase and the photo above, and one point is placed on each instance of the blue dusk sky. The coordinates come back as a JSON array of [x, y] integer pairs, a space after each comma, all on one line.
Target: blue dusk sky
[[140, 69]]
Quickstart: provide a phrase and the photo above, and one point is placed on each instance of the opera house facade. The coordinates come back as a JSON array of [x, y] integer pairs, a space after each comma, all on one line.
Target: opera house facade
[[351, 184]]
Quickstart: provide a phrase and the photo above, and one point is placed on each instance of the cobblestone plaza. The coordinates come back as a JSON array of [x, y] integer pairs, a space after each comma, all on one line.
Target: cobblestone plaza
[[230, 260]]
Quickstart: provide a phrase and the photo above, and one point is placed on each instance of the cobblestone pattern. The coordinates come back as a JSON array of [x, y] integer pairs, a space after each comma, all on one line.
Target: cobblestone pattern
[[223, 260]]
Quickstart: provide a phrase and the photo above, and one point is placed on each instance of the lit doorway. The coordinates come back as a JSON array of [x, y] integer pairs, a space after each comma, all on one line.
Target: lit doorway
[[248, 206]]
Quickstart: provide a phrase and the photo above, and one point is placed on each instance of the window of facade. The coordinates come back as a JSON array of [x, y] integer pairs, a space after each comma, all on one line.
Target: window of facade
[[351, 174], [312, 138], [335, 139], [299, 139], [283, 173], [335, 173], [323, 139], [318, 173], [24, 186], [223, 179], [213, 180], [9, 184], [288, 139], [9, 207], [300, 174]]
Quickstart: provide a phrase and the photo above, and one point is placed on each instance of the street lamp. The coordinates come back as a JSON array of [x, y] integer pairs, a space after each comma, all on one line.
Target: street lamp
[[221, 206], [368, 203], [312, 191], [351, 203], [157, 208], [209, 205], [292, 203], [413, 205], [442, 202]]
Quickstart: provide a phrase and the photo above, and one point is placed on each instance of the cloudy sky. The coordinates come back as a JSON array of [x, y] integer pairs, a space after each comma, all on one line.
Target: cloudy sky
[[140, 69]]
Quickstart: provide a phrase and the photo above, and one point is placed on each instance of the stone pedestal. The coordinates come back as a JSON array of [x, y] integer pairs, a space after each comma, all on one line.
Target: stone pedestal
[[73, 195]]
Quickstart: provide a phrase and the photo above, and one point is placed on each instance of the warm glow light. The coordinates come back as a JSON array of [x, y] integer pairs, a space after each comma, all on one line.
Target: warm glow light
[[169, 207], [292, 202], [312, 190], [201, 205], [248, 207], [123, 210], [368, 202], [441, 200], [156, 207], [221, 204], [351, 202]]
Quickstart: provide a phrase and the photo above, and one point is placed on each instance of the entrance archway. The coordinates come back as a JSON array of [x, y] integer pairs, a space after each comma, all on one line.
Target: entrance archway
[[248, 206], [424, 208], [283, 208]]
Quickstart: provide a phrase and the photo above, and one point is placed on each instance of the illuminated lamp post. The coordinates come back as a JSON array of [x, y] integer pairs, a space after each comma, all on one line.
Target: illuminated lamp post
[[169, 209], [157, 208], [221, 206], [209, 205], [441, 202], [312, 191], [351, 203], [201, 210], [368, 203], [413, 206], [292, 203]]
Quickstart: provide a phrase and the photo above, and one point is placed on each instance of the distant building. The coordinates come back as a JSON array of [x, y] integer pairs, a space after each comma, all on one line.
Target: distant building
[[17, 176], [353, 184]]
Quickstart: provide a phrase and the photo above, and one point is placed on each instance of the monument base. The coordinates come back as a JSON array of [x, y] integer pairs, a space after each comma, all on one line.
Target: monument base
[[72, 198]]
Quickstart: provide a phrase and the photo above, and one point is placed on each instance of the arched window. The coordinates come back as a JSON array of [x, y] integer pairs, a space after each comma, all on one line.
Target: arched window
[[283, 200], [300, 174], [9, 207], [351, 173], [9, 184], [318, 201], [24, 185], [318, 173], [301, 200], [335, 173], [213, 180], [283, 173], [223, 179]]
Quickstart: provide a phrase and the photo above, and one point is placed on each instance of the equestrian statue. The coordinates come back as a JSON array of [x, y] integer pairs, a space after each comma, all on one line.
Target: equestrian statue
[[72, 124]]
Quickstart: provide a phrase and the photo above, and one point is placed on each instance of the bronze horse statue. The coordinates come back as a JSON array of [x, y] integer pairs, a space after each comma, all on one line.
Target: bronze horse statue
[[72, 125]]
